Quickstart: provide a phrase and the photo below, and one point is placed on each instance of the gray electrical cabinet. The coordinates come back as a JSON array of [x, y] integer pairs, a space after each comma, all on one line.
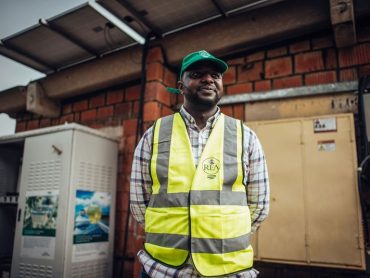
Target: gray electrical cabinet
[[64, 222]]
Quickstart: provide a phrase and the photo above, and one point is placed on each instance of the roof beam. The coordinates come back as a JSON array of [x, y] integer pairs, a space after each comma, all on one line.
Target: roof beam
[[7, 45], [155, 31], [39, 103], [53, 27], [117, 22], [219, 7], [343, 21], [236, 33]]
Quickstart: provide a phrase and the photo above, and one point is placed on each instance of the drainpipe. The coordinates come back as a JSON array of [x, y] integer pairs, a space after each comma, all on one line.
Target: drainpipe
[[139, 133]]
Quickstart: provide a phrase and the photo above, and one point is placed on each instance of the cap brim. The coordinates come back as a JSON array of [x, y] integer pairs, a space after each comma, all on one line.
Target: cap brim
[[173, 90], [221, 65]]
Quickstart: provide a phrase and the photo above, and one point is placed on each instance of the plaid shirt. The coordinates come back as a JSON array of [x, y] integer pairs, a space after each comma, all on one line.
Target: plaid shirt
[[255, 178]]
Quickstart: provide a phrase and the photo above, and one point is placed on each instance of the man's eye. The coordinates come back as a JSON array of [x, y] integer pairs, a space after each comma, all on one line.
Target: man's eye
[[195, 74], [216, 75]]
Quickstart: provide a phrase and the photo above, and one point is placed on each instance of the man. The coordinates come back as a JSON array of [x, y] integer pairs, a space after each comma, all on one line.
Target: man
[[199, 183]]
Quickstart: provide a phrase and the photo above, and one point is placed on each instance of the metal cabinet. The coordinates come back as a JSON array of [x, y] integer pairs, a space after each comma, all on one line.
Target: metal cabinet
[[66, 203], [315, 216]]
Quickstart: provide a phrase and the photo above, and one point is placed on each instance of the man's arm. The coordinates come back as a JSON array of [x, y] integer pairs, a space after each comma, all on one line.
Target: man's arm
[[141, 183], [257, 181]]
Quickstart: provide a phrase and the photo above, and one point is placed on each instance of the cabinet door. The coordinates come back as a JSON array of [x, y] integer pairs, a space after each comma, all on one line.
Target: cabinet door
[[285, 225], [333, 218], [315, 213], [40, 229]]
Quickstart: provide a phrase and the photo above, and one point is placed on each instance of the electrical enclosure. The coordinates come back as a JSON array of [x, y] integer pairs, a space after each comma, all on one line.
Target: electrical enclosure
[[64, 223]]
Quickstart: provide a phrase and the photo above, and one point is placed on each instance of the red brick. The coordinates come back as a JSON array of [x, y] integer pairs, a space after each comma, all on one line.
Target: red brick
[[330, 56], [287, 82], [122, 199], [80, 105], [129, 127], [154, 55], [115, 96], [66, 108], [154, 72], [299, 46], [263, 85], [105, 112], [364, 71], [129, 147], [55, 122], [97, 101], [180, 99], [239, 88], [173, 98], [95, 125], [321, 78], [156, 91], [123, 110], [33, 124], [348, 75], [229, 76], [135, 109], [278, 67], [227, 110], [166, 111], [257, 56], [133, 92], [236, 61], [308, 62], [45, 122], [146, 125], [152, 111], [250, 72], [357, 55], [280, 51], [238, 111], [120, 222], [323, 42], [77, 117], [170, 78], [88, 115], [20, 126], [67, 118]]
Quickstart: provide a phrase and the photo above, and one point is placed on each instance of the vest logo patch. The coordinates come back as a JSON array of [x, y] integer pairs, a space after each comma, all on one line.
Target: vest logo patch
[[211, 166]]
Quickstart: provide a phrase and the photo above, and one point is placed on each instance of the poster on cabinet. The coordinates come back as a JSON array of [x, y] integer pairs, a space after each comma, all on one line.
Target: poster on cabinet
[[39, 224], [91, 225]]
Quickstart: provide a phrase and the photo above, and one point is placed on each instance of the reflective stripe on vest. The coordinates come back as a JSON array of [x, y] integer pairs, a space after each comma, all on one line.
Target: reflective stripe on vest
[[202, 211]]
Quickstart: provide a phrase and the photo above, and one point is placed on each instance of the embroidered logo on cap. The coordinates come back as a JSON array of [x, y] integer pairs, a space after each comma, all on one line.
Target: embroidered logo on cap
[[204, 54]]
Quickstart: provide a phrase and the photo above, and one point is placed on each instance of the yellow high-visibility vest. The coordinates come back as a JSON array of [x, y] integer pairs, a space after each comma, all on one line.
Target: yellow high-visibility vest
[[199, 211]]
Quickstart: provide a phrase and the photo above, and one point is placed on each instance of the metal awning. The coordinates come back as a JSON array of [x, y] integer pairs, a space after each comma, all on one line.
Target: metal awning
[[83, 33]]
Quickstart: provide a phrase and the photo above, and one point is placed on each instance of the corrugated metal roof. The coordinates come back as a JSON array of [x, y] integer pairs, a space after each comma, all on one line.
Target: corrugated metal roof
[[83, 33]]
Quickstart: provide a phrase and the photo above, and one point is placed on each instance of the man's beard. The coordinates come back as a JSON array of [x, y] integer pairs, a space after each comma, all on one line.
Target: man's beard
[[195, 99]]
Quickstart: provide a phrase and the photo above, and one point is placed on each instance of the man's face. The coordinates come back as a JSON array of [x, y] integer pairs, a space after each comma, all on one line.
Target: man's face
[[202, 85]]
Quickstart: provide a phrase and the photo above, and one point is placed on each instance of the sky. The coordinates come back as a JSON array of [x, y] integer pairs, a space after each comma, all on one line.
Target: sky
[[15, 16]]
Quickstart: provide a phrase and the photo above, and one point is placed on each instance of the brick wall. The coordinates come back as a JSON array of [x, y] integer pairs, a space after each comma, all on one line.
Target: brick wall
[[303, 62], [300, 63], [118, 108]]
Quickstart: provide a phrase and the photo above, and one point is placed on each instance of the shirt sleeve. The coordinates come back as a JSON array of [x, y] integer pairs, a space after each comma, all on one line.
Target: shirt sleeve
[[256, 178], [141, 182]]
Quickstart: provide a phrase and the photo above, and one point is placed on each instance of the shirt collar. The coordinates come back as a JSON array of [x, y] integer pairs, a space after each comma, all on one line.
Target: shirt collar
[[189, 120]]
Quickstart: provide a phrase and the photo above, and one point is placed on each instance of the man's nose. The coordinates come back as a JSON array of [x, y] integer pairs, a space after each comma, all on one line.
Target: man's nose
[[207, 77]]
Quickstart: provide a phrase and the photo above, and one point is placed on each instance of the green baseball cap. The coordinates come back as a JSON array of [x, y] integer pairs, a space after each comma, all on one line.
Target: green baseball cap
[[196, 57]]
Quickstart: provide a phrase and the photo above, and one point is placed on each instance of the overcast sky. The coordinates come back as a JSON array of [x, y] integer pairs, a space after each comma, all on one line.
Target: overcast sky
[[15, 16]]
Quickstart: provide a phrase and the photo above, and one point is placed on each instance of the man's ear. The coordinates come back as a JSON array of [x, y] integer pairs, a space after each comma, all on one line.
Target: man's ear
[[180, 85]]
